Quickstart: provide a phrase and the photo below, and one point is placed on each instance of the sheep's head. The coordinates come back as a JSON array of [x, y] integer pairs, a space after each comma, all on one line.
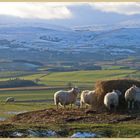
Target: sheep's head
[[118, 92], [76, 90], [135, 88]]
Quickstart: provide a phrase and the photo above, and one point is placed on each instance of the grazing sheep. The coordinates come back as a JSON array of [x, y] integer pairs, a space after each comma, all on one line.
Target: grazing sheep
[[10, 99], [111, 99], [66, 97], [132, 96], [87, 98]]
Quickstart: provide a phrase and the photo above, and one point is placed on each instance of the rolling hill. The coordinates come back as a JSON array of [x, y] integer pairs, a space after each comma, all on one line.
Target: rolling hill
[[49, 44]]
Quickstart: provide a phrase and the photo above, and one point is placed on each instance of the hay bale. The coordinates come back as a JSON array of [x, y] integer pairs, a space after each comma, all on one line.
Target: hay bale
[[103, 87]]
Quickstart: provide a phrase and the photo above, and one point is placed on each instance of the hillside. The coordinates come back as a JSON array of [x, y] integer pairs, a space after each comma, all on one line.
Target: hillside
[[42, 44]]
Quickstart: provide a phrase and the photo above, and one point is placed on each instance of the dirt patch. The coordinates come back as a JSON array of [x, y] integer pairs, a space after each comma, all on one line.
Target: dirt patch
[[62, 116]]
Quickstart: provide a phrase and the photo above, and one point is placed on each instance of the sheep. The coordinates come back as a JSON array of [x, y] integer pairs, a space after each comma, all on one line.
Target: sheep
[[10, 99], [111, 100], [66, 97], [132, 96], [87, 98]]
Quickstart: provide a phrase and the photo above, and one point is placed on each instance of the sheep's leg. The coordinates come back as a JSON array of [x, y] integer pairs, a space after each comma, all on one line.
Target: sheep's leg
[[71, 105], [128, 104], [115, 109], [109, 109], [57, 105], [64, 106], [86, 106], [78, 107], [81, 104], [56, 101], [132, 105]]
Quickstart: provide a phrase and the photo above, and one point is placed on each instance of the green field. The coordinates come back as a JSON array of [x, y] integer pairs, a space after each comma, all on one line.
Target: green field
[[24, 95], [12, 74], [76, 77], [81, 78], [27, 94]]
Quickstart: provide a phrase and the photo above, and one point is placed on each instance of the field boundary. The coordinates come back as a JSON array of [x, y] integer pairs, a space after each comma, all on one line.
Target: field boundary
[[33, 88]]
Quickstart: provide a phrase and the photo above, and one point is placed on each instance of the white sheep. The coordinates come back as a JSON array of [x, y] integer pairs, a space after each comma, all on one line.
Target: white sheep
[[111, 99], [132, 95], [10, 99], [87, 98], [66, 97]]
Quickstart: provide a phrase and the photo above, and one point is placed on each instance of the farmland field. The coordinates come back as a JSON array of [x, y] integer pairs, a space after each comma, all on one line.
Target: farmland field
[[82, 79], [12, 74], [79, 78]]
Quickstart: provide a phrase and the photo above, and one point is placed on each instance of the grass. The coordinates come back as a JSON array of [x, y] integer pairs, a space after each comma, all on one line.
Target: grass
[[12, 74], [79, 78], [108, 67], [27, 94], [21, 107], [24, 95]]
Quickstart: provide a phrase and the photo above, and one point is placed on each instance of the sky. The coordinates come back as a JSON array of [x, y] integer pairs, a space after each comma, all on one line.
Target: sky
[[70, 14]]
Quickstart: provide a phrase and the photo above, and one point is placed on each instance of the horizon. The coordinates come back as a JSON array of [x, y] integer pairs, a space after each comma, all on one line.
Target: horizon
[[70, 14]]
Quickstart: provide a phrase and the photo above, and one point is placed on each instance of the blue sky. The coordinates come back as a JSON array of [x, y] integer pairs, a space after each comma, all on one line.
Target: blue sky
[[70, 14]]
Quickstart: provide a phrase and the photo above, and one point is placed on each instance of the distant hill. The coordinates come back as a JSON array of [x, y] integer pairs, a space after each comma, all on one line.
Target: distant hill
[[48, 44]]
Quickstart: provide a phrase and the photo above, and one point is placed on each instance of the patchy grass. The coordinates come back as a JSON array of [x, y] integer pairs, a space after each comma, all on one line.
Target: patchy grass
[[24, 95], [21, 107], [28, 94], [66, 130]]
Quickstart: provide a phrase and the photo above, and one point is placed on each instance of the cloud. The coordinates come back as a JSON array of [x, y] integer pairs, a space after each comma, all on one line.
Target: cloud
[[125, 8], [64, 10], [35, 10]]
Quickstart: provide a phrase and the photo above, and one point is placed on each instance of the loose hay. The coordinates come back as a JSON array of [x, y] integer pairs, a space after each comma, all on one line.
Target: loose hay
[[103, 87]]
